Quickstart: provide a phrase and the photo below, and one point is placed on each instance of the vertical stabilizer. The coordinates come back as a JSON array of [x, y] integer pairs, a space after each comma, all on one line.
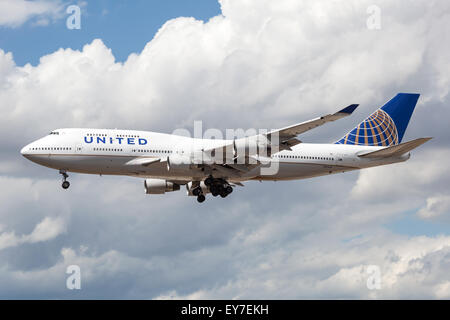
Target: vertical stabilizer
[[386, 126]]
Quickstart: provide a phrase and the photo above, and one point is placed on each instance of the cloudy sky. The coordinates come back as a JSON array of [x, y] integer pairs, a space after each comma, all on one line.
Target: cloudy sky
[[160, 66]]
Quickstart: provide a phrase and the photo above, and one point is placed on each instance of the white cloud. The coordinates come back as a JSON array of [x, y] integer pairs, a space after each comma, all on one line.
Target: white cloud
[[47, 229], [437, 207], [425, 168], [14, 13], [409, 268], [8, 239]]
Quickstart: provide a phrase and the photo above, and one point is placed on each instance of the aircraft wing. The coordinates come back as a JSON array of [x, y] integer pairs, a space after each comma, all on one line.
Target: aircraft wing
[[232, 170], [142, 161], [288, 133]]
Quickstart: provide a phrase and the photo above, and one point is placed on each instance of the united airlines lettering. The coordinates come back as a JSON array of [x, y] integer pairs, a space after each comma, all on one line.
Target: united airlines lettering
[[103, 140]]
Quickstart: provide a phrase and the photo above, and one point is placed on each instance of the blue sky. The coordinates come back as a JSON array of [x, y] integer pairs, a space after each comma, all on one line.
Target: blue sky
[[123, 27], [411, 225]]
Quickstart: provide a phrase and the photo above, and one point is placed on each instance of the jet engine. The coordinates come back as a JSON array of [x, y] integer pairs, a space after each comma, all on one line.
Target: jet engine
[[159, 186]]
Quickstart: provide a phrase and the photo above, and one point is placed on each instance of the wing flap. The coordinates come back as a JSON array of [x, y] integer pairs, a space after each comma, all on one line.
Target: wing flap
[[142, 161], [229, 172]]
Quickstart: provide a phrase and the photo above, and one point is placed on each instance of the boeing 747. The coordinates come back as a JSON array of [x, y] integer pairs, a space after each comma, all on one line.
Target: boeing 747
[[166, 162]]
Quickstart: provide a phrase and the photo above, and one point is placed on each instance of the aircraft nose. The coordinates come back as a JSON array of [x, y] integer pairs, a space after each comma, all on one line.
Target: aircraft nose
[[24, 151]]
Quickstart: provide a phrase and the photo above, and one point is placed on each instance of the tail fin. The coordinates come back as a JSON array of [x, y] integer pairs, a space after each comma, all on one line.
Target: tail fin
[[386, 126]]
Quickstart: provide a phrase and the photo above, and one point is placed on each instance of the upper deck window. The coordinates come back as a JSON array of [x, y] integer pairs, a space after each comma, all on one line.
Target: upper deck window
[[97, 135]]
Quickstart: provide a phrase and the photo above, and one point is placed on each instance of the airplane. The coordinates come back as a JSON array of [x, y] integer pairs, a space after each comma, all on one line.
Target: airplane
[[217, 166]]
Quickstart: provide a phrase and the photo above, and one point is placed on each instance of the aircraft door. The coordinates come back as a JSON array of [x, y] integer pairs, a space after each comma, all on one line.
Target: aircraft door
[[79, 148]]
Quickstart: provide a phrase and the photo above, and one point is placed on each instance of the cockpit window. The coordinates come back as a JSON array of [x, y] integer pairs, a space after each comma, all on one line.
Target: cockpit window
[[54, 132]]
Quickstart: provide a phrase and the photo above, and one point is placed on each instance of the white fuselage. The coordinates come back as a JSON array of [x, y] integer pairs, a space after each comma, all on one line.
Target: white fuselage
[[109, 152]]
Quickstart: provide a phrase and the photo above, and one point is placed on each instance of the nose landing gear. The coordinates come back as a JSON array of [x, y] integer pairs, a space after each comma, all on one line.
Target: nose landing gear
[[65, 184]]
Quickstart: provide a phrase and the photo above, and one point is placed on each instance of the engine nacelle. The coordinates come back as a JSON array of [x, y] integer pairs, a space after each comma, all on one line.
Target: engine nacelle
[[159, 186], [177, 163]]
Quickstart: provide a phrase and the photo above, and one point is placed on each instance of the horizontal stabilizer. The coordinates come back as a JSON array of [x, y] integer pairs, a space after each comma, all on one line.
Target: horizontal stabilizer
[[397, 150]]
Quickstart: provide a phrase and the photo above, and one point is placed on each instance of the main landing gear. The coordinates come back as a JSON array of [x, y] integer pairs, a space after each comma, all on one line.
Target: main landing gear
[[215, 186], [218, 187], [222, 190], [198, 192], [65, 184]]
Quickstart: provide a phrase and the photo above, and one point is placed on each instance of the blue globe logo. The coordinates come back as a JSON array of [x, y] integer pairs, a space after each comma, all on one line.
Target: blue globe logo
[[377, 130]]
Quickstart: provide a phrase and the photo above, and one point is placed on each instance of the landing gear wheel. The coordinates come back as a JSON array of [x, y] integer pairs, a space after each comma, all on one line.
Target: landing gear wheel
[[65, 183], [209, 181], [223, 193], [229, 189], [201, 198], [197, 191], [214, 190]]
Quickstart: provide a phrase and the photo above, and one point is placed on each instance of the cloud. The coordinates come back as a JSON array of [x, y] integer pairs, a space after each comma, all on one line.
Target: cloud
[[14, 13], [261, 64], [424, 168], [409, 268], [437, 207], [47, 229]]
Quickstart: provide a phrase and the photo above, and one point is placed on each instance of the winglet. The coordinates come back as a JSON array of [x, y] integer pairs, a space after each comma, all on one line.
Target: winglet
[[349, 109]]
